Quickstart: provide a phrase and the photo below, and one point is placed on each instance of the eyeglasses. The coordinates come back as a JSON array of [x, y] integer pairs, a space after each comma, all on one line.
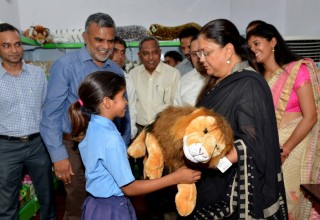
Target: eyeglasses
[[204, 53], [194, 53]]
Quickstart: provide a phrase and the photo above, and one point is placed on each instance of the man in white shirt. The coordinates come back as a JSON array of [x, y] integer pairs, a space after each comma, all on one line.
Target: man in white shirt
[[185, 37], [155, 82], [192, 82]]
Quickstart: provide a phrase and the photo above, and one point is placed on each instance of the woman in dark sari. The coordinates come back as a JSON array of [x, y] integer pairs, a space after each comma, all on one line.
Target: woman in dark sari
[[252, 188]]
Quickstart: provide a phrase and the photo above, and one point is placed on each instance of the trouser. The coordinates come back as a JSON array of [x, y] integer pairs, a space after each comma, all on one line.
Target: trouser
[[14, 155], [76, 192]]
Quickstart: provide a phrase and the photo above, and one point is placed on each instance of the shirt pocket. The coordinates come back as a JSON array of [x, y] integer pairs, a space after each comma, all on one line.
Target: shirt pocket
[[163, 95]]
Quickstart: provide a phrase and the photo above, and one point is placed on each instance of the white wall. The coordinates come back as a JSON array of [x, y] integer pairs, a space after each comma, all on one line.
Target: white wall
[[244, 11], [302, 17], [72, 14], [9, 12], [291, 17]]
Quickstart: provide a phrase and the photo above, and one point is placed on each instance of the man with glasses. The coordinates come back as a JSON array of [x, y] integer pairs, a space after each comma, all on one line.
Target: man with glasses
[[192, 82], [185, 37]]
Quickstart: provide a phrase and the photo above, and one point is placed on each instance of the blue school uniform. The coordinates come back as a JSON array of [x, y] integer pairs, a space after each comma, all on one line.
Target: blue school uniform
[[107, 169]]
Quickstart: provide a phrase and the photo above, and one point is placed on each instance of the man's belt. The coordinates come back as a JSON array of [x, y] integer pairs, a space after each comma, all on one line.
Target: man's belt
[[25, 138]]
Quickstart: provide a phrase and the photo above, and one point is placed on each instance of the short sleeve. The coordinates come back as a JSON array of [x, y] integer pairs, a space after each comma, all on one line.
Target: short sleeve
[[302, 77], [116, 161]]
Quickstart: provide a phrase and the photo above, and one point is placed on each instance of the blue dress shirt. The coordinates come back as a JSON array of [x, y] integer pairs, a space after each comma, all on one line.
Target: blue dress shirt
[[21, 100], [66, 74]]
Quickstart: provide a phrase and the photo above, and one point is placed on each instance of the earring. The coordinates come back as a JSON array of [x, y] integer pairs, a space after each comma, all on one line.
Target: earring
[[273, 50], [228, 62]]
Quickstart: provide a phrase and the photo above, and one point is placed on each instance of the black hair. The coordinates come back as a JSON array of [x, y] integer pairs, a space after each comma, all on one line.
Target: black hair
[[8, 27], [282, 54], [254, 24], [188, 32], [195, 37], [93, 89], [119, 40], [174, 55], [148, 38], [222, 32], [101, 19]]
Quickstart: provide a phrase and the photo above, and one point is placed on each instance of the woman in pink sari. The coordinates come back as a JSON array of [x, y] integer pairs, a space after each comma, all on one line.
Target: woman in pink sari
[[295, 90]]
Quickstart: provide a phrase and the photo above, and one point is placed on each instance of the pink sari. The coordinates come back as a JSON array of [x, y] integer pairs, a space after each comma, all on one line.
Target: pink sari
[[303, 164]]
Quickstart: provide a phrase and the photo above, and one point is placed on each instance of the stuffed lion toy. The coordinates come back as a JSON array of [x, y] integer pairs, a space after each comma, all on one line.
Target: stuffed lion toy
[[175, 133]]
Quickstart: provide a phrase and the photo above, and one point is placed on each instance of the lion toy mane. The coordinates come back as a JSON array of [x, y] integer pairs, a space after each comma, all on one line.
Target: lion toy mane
[[162, 32], [38, 33], [175, 133]]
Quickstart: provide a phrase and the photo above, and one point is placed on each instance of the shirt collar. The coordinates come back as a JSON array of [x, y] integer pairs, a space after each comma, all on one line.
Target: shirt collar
[[102, 120], [24, 67], [85, 56], [198, 75], [23, 70], [158, 70], [2, 70]]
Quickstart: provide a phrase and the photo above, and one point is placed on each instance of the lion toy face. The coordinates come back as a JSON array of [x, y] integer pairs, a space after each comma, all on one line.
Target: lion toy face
[[183, 136], [203, 140]]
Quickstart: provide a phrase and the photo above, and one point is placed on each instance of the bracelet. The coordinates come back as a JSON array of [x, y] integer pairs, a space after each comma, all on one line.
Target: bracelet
[[284, 152]]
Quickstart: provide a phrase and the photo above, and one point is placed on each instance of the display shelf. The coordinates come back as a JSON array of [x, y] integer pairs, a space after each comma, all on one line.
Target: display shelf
[[162, 43], [32, 42], [32, 206]]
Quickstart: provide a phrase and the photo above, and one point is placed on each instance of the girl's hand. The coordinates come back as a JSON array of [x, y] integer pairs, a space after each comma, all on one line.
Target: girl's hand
[[186, 175], [284, 153]]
